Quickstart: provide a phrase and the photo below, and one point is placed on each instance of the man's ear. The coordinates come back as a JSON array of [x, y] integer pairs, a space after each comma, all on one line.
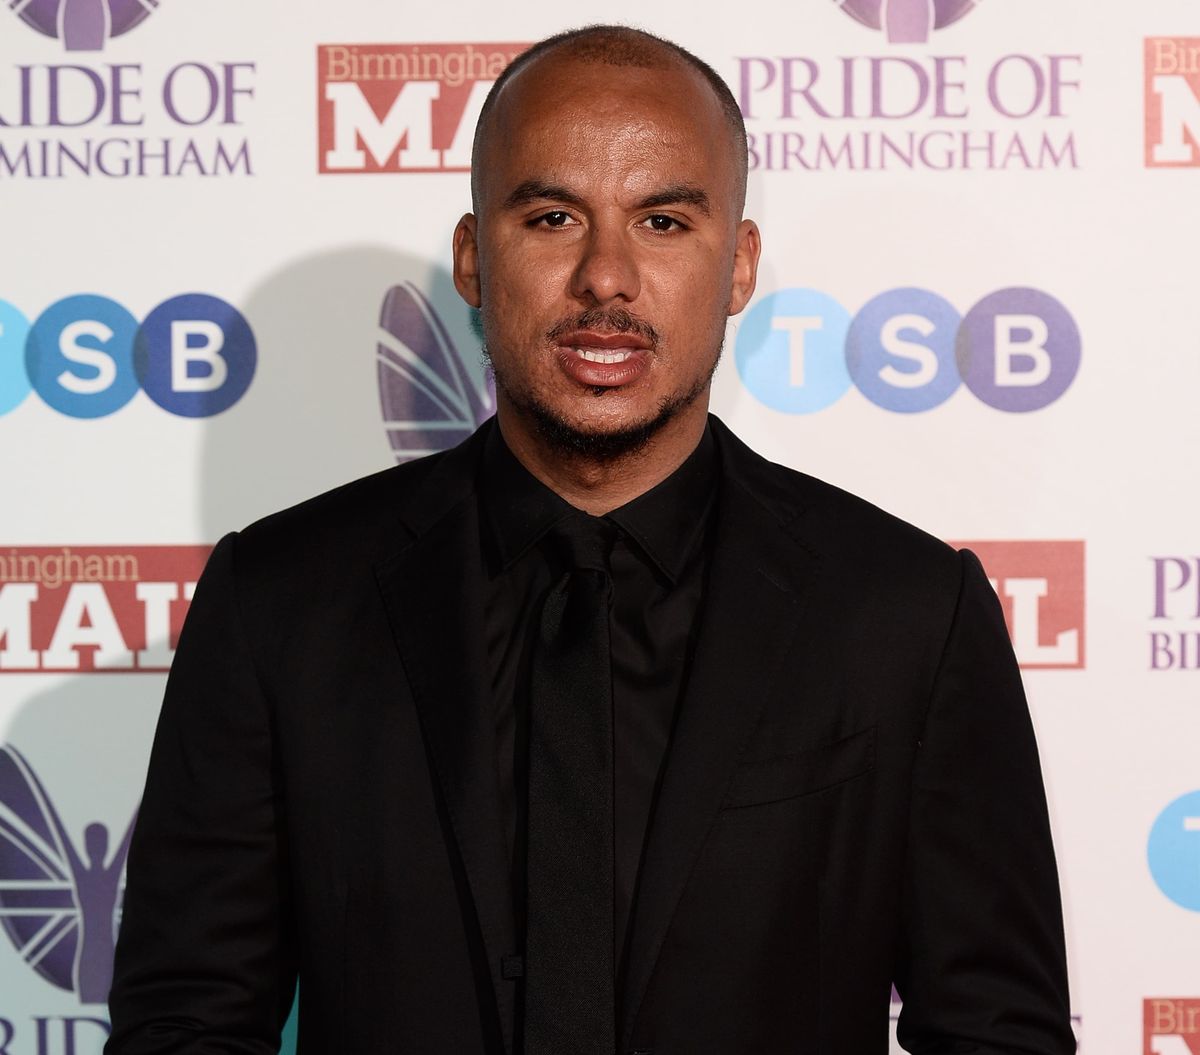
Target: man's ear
[[745, 265], [466, 261]]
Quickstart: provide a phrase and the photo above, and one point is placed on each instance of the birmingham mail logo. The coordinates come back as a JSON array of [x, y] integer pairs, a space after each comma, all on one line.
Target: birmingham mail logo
[[1173, 102], [907, 21], [403, 107], [428, 395], [59, 905], [1041, 588], [92, 609], [1171, 1026], [83, 25]]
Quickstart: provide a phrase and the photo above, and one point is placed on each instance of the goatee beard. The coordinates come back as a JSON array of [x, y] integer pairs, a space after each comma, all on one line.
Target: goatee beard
[[595, 446]]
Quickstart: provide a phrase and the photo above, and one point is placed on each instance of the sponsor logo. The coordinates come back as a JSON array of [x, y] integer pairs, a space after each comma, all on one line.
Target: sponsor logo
[[86, 356], [403, 107], [1174, 851], [92, 609], [1041, 588], [1175, 633], [83, 25], [1173, 102], [59, 902], [817, 112], [907, 21], [118, 120], [907, 350], [1171, 1026], [430, 398]]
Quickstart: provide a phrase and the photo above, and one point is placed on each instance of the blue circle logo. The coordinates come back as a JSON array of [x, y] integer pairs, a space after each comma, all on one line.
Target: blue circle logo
[[195, 355], [908, 350], [791, 351], [1174, 851], [1018, 350], [14, 381], [79, 356], [900, 350]]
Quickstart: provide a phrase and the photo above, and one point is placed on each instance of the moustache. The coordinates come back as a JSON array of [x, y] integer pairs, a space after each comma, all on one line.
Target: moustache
[[605, 320]]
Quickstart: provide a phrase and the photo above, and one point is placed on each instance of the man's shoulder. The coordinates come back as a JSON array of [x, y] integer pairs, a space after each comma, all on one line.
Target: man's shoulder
[[360, 523], [835, 524]]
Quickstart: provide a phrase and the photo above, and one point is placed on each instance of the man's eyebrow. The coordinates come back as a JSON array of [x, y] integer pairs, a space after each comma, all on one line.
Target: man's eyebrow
[[678, 194], [535, 190]]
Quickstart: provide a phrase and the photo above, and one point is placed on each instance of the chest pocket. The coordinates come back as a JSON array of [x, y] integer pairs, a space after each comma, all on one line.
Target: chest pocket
[[789, 776]]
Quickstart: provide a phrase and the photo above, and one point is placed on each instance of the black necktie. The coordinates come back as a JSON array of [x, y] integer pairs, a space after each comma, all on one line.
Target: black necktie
[[569, 989]]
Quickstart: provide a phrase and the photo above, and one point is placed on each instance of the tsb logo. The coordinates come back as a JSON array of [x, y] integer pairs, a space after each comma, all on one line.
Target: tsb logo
[[1174, 852], [1173, 102], [907, 350], [403, 107], [1041, 587], [1172, 1026], [86, 356]]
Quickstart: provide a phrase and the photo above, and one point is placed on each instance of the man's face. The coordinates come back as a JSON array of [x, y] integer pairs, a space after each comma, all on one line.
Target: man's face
[[608, 250]]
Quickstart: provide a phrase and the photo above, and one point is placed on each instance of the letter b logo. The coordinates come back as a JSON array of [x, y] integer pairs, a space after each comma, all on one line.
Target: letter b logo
[[86, 356]]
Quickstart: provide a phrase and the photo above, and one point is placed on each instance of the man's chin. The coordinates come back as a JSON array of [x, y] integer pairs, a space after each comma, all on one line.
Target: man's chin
[[596, 442]]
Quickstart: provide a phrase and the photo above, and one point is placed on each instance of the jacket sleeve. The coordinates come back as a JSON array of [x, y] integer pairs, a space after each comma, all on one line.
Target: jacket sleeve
[[983, 963], [204, 960]]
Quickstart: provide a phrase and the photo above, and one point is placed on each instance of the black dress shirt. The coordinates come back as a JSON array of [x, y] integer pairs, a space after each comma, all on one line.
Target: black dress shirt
[[658, 563]]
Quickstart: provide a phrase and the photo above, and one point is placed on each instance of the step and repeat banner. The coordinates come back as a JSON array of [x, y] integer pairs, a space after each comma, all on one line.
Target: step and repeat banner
[[224, 287]]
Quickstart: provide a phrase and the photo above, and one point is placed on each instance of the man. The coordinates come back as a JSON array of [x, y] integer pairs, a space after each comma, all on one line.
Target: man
[[599, 732]]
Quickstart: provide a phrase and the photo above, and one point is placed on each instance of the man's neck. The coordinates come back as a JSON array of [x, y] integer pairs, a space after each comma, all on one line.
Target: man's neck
[[600, 485]]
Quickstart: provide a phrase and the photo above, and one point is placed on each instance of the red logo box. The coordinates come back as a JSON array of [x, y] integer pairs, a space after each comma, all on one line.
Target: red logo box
[[1041, 586], [1173, 102], [1171, 1026], [86, 609], [403, 107]]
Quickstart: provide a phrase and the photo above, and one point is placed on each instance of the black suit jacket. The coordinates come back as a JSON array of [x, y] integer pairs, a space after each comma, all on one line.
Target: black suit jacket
[[852, 796]]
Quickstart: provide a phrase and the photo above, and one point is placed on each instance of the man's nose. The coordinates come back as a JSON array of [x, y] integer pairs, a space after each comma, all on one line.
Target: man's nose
[[608, 268]]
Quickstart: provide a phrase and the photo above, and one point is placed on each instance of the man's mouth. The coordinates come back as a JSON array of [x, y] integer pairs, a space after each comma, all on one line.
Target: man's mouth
[[595, 355], [603, 360]]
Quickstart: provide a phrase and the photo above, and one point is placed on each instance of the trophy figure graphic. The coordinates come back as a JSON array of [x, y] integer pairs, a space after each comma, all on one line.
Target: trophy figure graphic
[[908, 21], [83, 25], [58, 907]]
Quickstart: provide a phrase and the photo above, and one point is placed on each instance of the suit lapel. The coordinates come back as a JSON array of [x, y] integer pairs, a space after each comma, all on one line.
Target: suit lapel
[[433, 593], [751, 613]]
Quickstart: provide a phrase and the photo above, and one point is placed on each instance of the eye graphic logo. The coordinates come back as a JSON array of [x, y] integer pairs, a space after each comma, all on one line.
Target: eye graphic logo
[[83, 25], [907, 21], [58, 907], [429, 398]]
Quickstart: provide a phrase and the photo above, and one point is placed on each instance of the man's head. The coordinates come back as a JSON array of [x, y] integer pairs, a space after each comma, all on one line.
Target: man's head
[[607, 248]]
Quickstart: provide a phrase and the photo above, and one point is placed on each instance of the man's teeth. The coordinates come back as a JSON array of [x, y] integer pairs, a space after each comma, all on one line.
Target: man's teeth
[[594, 355]]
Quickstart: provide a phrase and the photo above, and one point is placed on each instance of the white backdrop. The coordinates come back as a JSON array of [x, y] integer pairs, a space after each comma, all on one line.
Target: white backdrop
[[1050, 151]]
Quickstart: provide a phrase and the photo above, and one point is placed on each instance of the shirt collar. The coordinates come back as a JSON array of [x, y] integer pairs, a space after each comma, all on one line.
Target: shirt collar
[[666, 522]]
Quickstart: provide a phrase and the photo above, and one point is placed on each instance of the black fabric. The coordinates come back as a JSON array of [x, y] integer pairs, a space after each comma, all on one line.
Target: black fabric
[[852, 796], [657, 563], [570, 1002]]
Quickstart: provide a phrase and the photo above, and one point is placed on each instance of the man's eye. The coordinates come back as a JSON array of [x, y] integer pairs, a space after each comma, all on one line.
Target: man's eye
[[558, 218], [663, 223]]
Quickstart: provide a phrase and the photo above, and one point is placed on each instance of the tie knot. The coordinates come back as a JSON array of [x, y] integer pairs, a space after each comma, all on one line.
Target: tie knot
[[583, 541]]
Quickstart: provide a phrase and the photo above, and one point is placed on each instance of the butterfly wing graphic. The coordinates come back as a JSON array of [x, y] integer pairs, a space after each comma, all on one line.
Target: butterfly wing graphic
[[128, 13], [37, 904], [429, 399]]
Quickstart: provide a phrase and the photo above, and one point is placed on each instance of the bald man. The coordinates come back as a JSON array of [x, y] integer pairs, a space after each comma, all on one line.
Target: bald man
[[597, 733]]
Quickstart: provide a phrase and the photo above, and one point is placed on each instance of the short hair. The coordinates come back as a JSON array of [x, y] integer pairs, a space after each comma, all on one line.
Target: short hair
[[615, 45]]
